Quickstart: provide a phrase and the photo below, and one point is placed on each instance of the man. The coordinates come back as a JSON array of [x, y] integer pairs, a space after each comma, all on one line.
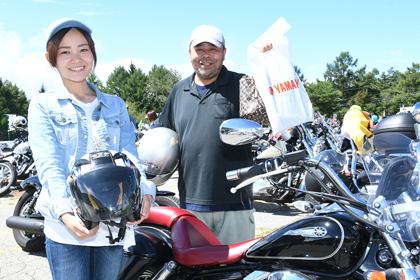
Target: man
[[195, 109]]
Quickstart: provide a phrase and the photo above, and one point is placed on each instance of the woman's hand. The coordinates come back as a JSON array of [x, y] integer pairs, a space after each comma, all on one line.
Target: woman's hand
[[145, 209], [76, 226]]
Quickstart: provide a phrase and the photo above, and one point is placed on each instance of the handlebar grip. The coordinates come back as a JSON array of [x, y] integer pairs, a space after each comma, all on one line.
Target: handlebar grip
[[246, 172]]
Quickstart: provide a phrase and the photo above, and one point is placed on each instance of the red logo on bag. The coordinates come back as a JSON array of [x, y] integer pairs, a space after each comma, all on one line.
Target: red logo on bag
[[271, 90], [286, 86]]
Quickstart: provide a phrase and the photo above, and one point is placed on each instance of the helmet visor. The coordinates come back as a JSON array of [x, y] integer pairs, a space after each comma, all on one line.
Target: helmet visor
[[106, 193]]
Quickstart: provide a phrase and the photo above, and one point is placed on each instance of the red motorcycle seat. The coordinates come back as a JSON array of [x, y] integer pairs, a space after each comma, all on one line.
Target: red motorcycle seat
[[193, 243], [165, 215]]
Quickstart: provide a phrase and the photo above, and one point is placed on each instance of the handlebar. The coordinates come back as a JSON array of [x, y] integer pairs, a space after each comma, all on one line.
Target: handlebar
[[248, 172]]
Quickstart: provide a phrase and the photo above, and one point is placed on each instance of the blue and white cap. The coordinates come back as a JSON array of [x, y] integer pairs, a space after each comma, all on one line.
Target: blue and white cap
[[65, 23]]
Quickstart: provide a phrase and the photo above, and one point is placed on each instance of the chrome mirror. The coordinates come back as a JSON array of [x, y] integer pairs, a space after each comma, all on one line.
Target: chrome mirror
[[240, 132], [416, 112]]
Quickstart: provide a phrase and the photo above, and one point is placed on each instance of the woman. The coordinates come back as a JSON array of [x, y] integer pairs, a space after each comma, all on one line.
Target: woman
[[64, 124]]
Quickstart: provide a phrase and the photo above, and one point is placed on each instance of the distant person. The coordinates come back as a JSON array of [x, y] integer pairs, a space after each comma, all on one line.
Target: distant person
[[151, 117], [132, 120], [375, 120]]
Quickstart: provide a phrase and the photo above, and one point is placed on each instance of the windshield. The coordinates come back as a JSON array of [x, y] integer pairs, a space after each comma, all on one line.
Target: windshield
[[336, 160], [395, 206]]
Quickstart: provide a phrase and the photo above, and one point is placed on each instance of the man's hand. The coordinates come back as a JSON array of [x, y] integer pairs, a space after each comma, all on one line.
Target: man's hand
[[266, 46], [145, 209], [76, 226]]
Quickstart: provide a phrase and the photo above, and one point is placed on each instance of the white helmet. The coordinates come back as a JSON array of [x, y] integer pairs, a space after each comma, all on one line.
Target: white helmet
[[19, 122], [159, 154]]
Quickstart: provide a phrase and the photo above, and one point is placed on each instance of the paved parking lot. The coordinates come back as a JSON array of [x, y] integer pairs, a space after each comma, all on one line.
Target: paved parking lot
[[18, 264]]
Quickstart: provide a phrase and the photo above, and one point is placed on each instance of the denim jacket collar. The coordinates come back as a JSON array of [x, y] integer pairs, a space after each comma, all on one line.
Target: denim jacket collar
[[62, 93]]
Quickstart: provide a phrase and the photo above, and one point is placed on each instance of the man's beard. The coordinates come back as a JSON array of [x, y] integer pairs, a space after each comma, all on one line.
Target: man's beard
[[214, 73]]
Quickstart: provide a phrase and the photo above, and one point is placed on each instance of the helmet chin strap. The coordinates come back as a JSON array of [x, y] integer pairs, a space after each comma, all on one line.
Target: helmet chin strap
[[121, 233]]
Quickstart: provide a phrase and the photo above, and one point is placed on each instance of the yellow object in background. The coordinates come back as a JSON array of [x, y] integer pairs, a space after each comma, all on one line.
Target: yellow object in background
[[357, 126]]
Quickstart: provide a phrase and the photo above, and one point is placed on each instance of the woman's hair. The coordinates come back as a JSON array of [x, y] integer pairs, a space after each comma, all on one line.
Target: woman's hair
[[151, 116], [54, 43]]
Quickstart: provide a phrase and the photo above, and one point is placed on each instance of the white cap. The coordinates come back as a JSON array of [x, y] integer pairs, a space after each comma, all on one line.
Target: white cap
[[207, 33], [65, 23]]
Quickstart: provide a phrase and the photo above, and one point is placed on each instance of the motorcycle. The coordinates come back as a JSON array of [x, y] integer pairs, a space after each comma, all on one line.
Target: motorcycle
[[8, 176], [28, 224], [16, 162], [21, 155], [359, 236]]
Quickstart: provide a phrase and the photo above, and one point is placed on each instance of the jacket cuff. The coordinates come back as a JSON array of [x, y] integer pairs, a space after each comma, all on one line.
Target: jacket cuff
[[148, 187]]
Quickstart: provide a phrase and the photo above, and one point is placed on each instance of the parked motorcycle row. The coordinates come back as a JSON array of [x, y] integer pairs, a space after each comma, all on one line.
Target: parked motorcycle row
[[17, 161], [364, 207]]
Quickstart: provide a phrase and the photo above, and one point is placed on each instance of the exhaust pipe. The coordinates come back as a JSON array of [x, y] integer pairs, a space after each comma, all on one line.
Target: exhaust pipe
[[25, 224]]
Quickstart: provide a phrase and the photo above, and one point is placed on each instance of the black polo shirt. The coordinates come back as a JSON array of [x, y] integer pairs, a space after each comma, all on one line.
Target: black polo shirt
[[205, 159]]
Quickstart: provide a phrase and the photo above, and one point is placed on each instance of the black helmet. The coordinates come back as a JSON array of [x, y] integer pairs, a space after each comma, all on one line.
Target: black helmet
[[103, 186], [19, 122], [159, 154]]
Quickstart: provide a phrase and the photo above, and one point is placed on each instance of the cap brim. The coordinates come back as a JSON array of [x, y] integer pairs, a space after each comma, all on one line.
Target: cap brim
[[68, 24], [208, 40]]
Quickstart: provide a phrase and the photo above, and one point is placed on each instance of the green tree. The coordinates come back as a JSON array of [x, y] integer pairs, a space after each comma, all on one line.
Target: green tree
[[94, 79], [300, 74], [161, 82], [342, 73], [116, 82], [410, 80], [42, 89], [131, 86], [324, 97], [136, 89], [12, 101]]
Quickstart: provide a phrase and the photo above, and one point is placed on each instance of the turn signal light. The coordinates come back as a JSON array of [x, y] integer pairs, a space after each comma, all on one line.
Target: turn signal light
[[377, 275]]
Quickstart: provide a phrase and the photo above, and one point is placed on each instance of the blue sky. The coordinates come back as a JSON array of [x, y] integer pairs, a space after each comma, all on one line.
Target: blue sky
[[379, 34]]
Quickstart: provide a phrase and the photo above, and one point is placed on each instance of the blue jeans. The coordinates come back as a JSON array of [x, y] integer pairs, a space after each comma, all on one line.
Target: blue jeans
[[83, 262]]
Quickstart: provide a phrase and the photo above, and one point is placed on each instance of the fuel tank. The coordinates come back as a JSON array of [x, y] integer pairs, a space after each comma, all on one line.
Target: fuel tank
[[22, 148], [333, 245]]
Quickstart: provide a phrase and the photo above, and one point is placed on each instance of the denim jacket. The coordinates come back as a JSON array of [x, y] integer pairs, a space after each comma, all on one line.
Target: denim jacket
[[58, 137]]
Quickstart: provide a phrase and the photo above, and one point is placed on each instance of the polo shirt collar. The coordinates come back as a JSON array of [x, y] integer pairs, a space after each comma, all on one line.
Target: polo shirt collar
[[222, 79]]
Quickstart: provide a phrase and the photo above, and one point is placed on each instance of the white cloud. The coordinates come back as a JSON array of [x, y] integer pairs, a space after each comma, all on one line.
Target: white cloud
[[27, 71], [91, 4], [184, 69], [38, 41], [311, 80], [396, 52], [30, 71]]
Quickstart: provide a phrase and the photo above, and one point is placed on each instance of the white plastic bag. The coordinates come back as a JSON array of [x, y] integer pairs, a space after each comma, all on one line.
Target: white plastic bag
[[283, 93]]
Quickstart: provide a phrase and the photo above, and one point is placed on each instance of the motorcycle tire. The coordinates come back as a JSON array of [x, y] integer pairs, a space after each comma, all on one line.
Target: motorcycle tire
[[8, 177], [29, 242], [171, 201]]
